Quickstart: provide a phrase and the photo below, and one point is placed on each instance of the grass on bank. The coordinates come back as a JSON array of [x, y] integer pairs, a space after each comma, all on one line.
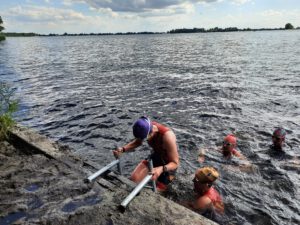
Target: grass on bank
[[2, 37], [7, 108]]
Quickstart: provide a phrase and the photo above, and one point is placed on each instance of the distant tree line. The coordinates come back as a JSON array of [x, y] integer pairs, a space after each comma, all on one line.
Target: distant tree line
[[288, 26], [92, 34], [203, 30], [15, 34], [2, 37]]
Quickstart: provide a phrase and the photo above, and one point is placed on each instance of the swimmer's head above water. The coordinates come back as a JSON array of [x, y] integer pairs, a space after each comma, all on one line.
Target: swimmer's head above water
[[278, 138]]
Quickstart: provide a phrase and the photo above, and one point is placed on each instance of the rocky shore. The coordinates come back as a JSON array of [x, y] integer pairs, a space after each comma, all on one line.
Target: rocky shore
[[42, 182]]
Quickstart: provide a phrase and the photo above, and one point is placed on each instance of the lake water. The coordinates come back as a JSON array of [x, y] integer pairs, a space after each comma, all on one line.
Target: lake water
[[87, 91]]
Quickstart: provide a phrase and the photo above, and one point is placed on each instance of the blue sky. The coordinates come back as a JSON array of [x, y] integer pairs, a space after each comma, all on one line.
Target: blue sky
[[76, 16]]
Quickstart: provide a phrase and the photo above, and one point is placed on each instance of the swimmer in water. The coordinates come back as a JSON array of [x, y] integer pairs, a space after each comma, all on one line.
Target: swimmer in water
[[278, 140], [228, 149], [207, 198], [165, 157], [278, 149]]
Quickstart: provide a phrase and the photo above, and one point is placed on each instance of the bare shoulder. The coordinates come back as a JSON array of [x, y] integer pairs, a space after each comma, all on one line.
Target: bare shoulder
[[169, 138], [170, 134], [202, 203]]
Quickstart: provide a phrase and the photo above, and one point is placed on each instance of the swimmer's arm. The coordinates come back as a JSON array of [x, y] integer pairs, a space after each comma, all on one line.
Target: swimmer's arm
[[131, 146], [172, 152], [246, 162], [294, 161], [202, 152], [128, 147], [169, 143], [219, 207], [219, 149], [240, 156], [201, 155]]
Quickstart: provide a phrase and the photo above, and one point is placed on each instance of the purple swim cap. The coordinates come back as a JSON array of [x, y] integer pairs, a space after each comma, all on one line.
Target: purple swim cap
[[142, 127]]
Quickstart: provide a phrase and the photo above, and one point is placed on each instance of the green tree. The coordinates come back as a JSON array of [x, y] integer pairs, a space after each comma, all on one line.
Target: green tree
[[2, 37], [1, 24], [7, 108], [289, 26]]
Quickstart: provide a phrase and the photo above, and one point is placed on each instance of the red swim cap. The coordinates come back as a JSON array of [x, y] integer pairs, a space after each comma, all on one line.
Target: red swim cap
[[230, 139]]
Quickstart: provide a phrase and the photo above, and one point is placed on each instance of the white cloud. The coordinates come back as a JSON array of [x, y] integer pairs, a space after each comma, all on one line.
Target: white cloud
[[43, 14], [272, 13], [139, 6], [67, 2], [240, 2], [183, 8], [106, 11], [147, 8], [56, 20], [280, 17], [70, 2], [263, 19]]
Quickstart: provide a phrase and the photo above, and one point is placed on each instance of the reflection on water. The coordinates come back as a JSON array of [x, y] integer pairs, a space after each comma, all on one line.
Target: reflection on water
[[87, 91]]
